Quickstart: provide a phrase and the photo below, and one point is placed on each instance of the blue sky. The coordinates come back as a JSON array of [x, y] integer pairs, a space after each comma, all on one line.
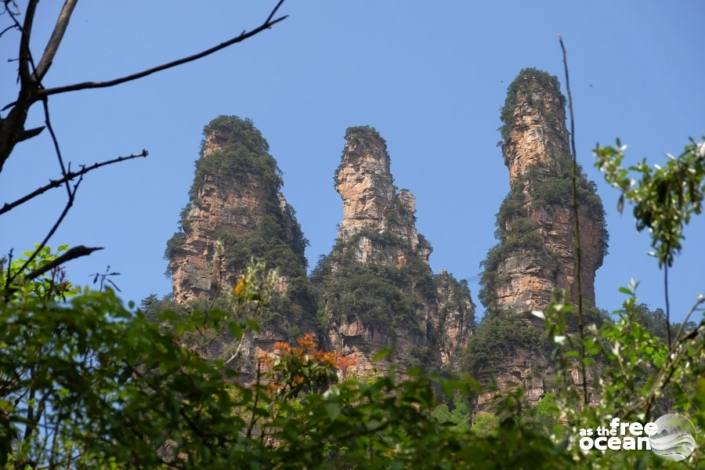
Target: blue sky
[[430, 76]]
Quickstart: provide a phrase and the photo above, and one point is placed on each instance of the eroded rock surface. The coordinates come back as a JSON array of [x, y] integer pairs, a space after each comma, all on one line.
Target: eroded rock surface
[[237, 214], [534, 259], [376, 287]]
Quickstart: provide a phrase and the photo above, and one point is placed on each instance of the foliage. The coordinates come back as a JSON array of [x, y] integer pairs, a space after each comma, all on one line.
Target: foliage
[[664, 198], [240, 163], [638, 378], [458, 416], [88, 383], [654, 321], [502, 336], [485, 424], [295, 370], [385, 297], [175, 246]]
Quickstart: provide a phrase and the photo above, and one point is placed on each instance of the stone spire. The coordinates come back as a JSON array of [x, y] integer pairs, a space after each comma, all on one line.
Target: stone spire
[[236, 187], [534, 256], [371, 202], [376, 286], [536, 225]]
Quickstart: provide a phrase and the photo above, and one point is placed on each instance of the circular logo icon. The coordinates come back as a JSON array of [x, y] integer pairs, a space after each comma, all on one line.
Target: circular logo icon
[[673, 439]]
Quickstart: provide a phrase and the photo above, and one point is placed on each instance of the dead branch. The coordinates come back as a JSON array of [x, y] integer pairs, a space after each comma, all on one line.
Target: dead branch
[[55, 143], [75, 252], [159, 68], [8, 206], [40, 247], [62, 21], [31, 90], [8, 28], [576, 216]]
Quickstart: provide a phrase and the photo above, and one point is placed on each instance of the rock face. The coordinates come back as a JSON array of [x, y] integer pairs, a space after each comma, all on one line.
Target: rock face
[[372, 204], [454, 318], [237, 212], [534, 258], [535, 223], [376, 289]]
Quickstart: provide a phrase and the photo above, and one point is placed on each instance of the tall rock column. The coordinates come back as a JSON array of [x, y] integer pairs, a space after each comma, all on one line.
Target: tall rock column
[[376, 288], [535, 255], [236, 213], [536, 252]]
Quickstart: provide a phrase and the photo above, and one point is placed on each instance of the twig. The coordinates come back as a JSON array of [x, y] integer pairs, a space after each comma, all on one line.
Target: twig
[[8, 206], [578, 254], [269, 22], [55, 142], [668, 304], [253, 418], [666, 373], [67, 207], [11, 27], [75, 252], [274, 11], [692, 310], [8, 273]]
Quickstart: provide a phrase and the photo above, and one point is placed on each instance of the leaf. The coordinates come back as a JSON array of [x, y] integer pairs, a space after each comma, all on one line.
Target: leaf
[[235, 329], [538, 314], [559, 339], [381, 354], [333, 410]]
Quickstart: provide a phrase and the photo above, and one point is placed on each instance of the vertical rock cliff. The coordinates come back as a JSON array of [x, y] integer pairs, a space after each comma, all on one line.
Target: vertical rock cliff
[[376, 289], [237, 212], [534, 257]]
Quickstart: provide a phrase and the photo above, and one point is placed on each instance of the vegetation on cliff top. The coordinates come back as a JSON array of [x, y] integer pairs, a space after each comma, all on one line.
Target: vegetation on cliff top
[[532, 82], [458, 297], [240, 162], [363, 136], [386, 298]]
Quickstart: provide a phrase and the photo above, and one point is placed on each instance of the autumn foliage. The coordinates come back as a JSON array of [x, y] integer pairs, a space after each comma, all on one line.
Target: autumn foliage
[[304, 367]]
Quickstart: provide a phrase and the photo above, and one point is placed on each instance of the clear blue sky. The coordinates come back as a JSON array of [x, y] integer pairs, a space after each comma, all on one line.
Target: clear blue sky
[[430, 76]]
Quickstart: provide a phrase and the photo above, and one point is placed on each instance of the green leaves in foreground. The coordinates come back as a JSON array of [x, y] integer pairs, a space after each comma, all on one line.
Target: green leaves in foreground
[[664, 198]]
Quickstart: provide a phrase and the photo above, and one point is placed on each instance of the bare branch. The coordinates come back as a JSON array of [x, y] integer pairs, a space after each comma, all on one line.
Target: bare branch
[[12, 127], [576, 216], [25, 53], [8, 206], [159, 68], [75, 252], [274, 11], [9, 28], [54, 228], [55, 39], [258, 385], [55, 142]]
